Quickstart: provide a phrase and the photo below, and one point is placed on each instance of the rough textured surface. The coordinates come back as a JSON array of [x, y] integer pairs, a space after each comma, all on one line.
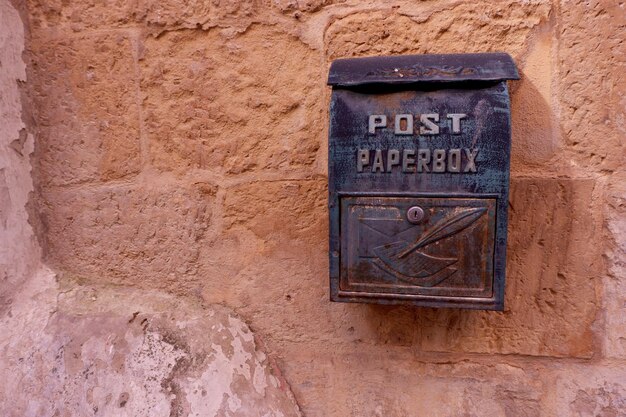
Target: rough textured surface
[[590, 391], [91, 133], [288, 206], [181, 146], [19, 252], [156, 15], [453, 386], [430, 386], [551, 278], [88, 351], [231, 105], [441, 27], [615, 284], [136, 225], [592, 96]]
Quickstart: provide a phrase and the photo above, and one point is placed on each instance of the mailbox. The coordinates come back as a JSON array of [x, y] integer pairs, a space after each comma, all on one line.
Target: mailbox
[[418, 171]]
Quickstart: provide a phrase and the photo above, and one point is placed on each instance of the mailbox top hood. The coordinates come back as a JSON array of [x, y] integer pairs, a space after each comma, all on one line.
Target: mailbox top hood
[[411, 69]]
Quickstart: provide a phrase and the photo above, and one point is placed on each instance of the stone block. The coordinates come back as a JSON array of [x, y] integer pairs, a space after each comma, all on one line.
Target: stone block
[[481, 26], [157, 15], [80, 15], [307, 6], [289, 209], [200, 13], [135, 235], [592, 103], [85, 92], [383, 382], [232, 104]]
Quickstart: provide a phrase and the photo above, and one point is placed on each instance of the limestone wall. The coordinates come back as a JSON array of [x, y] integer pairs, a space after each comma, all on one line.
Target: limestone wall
[[71, 348], [19, 252], [180, 147]]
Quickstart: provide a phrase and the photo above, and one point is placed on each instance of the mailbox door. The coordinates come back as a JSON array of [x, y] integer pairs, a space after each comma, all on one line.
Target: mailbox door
[[444, 252]]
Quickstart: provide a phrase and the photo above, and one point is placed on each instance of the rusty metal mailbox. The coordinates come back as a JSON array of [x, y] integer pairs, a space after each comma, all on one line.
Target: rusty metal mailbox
[[418, 164]]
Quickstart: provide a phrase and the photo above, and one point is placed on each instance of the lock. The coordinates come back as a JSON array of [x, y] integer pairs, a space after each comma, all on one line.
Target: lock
[[415, 214], [419, 156]]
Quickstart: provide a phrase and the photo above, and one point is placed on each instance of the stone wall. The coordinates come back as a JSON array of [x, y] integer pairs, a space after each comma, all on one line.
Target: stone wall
[[180, 147], [19, 252], [75, 349]]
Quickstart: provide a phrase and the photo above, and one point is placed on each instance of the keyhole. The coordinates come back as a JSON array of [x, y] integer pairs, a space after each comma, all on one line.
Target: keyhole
[[415, 214]]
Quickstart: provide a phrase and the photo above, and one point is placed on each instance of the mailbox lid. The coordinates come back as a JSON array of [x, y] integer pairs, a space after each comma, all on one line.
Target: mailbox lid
[[411, 69]]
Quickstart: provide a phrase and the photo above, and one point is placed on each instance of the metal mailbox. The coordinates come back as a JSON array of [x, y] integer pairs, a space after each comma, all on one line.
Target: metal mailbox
[[418, 171]]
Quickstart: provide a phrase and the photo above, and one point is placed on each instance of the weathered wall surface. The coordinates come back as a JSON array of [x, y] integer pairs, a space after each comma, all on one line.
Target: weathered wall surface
[[78, 350], [19, 252], [181, 146], [84, 350]]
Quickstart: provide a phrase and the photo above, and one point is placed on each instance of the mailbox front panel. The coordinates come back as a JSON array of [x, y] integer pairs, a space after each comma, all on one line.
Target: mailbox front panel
[[384, 252], [418, 184]]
